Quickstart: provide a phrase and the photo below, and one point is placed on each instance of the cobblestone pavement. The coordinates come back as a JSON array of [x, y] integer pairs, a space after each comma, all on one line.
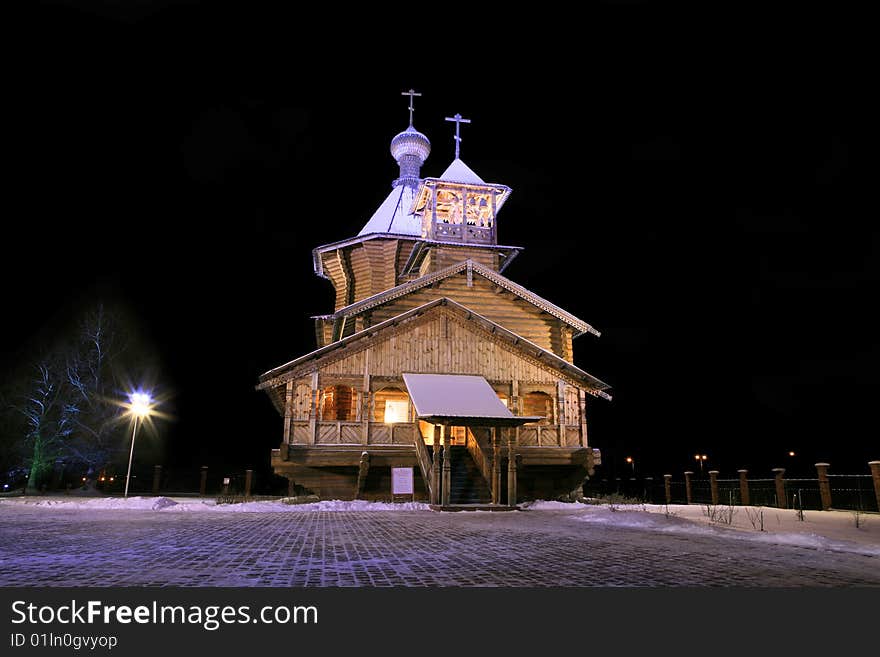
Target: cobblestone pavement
[[41, 547]]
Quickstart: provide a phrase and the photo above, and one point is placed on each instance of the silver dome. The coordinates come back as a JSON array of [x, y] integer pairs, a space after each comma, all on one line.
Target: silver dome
[[410, 142]]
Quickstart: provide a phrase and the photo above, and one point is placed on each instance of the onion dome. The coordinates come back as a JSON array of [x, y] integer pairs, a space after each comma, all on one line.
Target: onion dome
[[410, 149]]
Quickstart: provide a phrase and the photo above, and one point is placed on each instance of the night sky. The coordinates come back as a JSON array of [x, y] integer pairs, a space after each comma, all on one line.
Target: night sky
[[702, 201]]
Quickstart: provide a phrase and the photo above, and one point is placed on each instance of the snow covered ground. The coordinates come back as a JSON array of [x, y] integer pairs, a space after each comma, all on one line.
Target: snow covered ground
[[827, 530]]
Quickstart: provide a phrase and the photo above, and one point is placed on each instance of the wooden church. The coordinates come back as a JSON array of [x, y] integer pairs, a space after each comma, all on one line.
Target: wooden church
[[433, 363]]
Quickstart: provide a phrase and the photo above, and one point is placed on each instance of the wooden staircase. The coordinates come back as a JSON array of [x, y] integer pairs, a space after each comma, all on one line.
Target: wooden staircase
[[468, 485]]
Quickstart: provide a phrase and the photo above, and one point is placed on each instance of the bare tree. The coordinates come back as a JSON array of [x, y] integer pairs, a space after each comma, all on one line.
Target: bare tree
[[47, 420]]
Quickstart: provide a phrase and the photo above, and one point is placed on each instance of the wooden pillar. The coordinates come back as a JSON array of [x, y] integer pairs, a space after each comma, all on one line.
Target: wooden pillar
[[875, 475], [667, 486], [288, 411], [560, 411], [582, 407], [780, 488], [824, 485], [496, 467], [447, 468], [203, 481], [313, 410], [363, 471], [713, 485], [435, 468], [511, 469], [687, 486], [248, 481], [744, 487], [157, 478], [366, 401]]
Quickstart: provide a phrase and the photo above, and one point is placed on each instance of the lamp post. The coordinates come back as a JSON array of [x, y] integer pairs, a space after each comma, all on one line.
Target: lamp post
[[139, 407], [629, 459], [701, 458]]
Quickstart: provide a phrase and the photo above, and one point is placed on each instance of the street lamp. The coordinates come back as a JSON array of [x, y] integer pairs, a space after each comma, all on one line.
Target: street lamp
[[140, 406], [701, 458], [629, 459]]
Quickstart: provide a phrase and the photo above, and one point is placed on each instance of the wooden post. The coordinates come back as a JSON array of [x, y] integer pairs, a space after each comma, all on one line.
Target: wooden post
[[203, 481], [781, 502], [511, 469], [157, 478], [875, 475], [582, 408], [248, 480], [744, 487], [496, 467], [667, 485], [366, 401], [687, 486], [560, 411], [713, 485], [435, 467], [313, 410], [447, 468], [363, 471], [288, 411], [824, 485]]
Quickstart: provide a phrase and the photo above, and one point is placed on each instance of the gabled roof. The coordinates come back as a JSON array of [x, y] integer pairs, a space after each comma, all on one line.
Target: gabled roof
[[460, 172], [393, 216], [525, 348], [578, 325]]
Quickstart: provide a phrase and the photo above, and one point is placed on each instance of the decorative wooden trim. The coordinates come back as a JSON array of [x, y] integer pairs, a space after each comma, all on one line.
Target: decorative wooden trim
[[470, 266]]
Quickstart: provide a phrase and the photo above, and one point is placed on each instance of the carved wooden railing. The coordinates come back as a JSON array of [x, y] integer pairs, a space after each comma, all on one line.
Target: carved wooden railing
[[425, 462], [351, 433], [476, 452], [547, 435]]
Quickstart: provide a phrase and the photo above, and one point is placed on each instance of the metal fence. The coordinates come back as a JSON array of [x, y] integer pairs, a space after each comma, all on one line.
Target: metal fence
[[848, 492]]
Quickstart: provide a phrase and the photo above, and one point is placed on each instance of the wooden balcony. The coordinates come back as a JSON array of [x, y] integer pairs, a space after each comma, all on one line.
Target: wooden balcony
[[352, 433]]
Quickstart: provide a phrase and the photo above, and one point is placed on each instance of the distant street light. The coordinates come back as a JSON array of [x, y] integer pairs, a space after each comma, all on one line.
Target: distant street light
[[791, 453], [140, 406], [629, 459], [701, 458]]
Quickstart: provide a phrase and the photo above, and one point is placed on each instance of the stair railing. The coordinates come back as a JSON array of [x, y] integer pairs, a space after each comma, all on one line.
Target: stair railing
[[476, 452], [425, 462]]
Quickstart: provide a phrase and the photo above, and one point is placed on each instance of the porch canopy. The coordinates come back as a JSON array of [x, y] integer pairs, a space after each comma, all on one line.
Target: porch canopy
[[459, 400]]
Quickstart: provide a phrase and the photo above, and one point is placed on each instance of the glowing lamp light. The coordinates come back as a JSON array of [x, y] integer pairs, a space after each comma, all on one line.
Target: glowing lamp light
[[791, 453], [140, 404]]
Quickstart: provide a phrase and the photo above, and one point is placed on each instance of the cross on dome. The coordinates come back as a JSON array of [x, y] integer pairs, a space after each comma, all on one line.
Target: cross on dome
[[458, 121], [411, 93]]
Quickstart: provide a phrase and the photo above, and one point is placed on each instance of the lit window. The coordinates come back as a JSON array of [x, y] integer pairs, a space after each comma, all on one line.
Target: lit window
[[395, 410]]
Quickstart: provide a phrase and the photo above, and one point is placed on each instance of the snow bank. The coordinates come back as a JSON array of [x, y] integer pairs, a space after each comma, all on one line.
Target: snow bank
[[184, 505]]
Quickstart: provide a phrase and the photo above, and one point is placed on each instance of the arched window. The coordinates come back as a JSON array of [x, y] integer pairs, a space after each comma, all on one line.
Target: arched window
[[391, 405], [539, 403], [338, 403]]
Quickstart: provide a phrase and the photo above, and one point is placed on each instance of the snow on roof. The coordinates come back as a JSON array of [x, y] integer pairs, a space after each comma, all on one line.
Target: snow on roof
[[393, 215], [456, 395], [458, 171]]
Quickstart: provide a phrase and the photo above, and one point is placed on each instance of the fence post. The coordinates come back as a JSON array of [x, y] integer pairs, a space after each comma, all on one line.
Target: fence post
[[781, 502], [248, 480], [157, 477], [824, 485], [744, 487], [687, 485], [203, 482], [713, 485], [875, 475], [667, 485]]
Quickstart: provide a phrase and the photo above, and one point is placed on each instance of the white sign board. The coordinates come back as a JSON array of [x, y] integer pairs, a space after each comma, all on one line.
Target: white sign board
[[401, 481]]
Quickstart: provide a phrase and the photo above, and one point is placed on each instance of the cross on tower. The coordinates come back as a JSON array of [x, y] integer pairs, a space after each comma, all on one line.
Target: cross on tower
[[458, 121], [411, 93]]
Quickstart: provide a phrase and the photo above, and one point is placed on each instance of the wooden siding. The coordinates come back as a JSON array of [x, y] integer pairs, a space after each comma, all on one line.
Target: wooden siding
[[440, 344], [441, 257], [484, 298]]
